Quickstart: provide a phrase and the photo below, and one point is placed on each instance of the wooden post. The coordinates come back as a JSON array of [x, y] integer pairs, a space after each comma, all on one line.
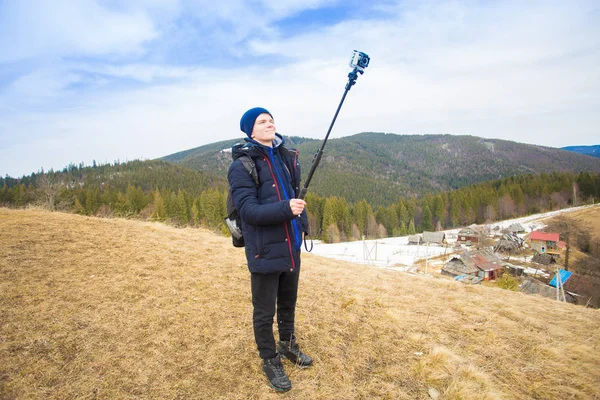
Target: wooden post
[[426, 257]]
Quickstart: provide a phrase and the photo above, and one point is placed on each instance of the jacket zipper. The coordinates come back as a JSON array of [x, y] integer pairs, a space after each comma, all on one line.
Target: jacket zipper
[[297, 234], [287, 232]]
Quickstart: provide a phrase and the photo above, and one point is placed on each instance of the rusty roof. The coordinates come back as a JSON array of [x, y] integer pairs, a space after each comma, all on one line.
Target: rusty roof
[[484, 260]]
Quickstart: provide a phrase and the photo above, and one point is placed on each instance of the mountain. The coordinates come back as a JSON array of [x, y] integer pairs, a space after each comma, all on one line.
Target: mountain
[[593, 151], [381, 167], [124, 309], [147, 175]]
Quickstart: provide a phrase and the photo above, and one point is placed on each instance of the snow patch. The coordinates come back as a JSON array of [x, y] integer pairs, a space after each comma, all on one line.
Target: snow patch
[[396, 253]]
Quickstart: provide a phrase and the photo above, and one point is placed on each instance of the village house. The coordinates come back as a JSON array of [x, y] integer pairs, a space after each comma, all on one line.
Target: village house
[[460, 264], [546, 243], [491, 267], [481, 263], [468, 236], [508, 244]]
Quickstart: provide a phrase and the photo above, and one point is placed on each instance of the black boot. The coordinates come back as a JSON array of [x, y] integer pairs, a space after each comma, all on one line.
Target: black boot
[[291, 351], [274, 370]]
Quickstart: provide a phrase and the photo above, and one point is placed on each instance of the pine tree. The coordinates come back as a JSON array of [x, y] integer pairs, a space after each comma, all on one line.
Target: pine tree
[[121, 204], [439, 209], [403, 231], [454, 212], [92, 201], [360, 214], [315, 206], [411, 227], [182, 209], [212, 208], [401, 213], [336, 211], [4, 199], [159, 213], [170, 201], [78, 208], [135, 200], [427, 223]]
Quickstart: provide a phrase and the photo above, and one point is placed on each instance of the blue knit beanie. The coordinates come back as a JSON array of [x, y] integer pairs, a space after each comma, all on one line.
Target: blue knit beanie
[[249, 117]]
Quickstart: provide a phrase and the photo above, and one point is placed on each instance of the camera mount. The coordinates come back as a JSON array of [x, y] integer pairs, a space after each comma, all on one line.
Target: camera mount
[[358, 63]]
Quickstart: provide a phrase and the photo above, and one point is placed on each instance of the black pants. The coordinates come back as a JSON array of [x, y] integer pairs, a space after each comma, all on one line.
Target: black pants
[[269, 290]]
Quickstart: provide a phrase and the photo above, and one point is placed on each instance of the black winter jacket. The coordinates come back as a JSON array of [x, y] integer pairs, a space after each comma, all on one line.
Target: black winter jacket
[[272, 234]]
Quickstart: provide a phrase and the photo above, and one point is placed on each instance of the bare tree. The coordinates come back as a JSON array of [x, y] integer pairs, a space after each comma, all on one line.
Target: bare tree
[[48, 185], [573, 232]]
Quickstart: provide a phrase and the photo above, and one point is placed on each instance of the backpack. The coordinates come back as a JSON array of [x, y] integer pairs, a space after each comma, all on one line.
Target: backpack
[[233, 220]]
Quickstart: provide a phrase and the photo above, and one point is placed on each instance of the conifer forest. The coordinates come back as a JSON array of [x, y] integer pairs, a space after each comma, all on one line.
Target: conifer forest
[[161, 191]]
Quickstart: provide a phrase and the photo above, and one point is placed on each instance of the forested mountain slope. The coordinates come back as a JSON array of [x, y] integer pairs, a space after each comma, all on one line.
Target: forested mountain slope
[[593, 151], [382, 167]]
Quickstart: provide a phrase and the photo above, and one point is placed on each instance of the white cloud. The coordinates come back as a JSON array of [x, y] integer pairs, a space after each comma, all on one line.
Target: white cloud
[[511, 70], [285, 8], [504, 59], [31, 29]]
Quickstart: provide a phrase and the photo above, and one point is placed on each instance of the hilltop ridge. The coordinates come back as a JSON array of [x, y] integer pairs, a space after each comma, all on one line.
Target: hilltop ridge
[[384, 166], [119, 308], [593, 151]]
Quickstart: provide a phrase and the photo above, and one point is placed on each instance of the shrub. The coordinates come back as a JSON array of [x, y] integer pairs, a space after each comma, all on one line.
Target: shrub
[[508, 282]]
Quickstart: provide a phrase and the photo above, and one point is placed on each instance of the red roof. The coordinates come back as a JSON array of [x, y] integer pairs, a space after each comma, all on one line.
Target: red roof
[[549, 237]]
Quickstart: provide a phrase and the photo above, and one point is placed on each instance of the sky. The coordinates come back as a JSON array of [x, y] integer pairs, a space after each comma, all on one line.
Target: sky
[[107, 80]]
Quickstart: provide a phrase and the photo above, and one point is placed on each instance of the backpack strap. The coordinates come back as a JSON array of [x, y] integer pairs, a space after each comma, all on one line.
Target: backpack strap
[[250, 166]]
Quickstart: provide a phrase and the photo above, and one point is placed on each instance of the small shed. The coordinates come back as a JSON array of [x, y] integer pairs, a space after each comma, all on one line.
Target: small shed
[[515, 228], [543, 258], [535, 287], [438, 238], [415, 239]]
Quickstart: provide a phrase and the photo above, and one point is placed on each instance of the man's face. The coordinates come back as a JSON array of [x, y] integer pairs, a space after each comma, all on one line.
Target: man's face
[[264, 129]]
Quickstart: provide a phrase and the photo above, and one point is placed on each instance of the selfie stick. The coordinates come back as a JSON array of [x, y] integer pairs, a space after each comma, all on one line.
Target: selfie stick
[[359, 62]]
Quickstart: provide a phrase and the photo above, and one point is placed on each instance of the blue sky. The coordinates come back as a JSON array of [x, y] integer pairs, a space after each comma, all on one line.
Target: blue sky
[[106, 80]]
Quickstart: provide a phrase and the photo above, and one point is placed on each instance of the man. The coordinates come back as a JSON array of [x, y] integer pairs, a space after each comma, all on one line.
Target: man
[[273, 223]]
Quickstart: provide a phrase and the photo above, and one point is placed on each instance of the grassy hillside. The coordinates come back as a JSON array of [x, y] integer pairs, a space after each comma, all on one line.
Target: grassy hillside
[[382, 167], [111, 308]]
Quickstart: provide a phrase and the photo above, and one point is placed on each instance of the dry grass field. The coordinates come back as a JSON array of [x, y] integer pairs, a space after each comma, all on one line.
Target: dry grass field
[[589, 216], [118, 309]]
